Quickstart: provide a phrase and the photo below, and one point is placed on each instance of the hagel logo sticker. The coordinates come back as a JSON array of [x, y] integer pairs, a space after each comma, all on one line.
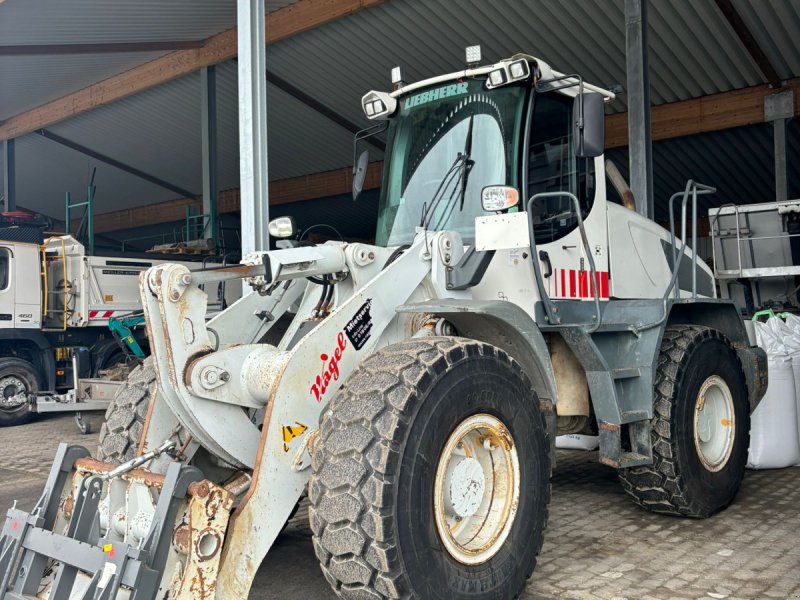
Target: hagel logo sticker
[[360, 326], [290, 432], [330, 368], [358, 331], [455, 89]]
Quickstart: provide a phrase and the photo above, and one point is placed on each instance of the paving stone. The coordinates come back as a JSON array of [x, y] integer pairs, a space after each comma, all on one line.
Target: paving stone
[[598, 545]]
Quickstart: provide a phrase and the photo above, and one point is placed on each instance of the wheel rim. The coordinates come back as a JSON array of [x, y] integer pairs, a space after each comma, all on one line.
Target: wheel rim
[[13, 392], [476, 491], [714, 423]]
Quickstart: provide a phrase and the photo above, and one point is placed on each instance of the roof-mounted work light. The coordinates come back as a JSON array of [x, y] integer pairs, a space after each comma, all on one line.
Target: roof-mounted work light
[[397, 78], [506, 72], [473, 55], [378, 105]]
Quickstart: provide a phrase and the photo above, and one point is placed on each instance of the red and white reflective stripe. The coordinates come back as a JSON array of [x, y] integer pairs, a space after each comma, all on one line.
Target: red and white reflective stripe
[[569, 283], [106, 314]]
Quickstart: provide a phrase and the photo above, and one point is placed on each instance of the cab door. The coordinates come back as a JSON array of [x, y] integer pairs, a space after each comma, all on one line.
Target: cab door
[[553, 167], [6, 287], [26, 280]]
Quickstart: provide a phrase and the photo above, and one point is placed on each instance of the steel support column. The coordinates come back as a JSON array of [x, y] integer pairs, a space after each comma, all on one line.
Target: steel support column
[[779, 142], [252, 124], [208, 78], [640, 147], [778, 109], [9, 176]]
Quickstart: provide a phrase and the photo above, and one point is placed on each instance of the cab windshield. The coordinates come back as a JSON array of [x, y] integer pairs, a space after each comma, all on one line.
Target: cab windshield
[[434, 171]]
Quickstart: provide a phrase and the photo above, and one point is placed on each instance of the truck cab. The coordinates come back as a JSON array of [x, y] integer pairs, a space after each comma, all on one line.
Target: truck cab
[[20, 298]]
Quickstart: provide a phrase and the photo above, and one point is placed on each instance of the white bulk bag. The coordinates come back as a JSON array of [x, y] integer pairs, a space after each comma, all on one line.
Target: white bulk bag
[[774, 439], [793, 343]]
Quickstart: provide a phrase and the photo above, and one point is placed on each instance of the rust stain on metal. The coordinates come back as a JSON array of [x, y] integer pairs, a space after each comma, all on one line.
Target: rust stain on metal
[[608, 426], [199, 489], [239, 483], [200, 538], [181, 538], [95, 467], [68, 506]]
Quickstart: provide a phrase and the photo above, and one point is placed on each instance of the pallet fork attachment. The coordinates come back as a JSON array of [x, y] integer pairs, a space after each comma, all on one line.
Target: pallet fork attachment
[[30, 544]]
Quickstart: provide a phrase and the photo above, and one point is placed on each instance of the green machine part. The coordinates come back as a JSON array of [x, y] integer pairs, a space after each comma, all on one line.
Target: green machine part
[[121, 328]]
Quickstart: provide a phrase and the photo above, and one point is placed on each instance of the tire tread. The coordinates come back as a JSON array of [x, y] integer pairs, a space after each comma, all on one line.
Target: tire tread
[[125, 416], [661, 487], [351, 488]]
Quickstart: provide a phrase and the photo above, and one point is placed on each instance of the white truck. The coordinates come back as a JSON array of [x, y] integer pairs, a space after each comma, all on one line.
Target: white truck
[[55, 304]]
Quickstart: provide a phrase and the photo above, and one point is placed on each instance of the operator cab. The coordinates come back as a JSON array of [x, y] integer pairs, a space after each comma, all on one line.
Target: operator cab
[[458, 140]]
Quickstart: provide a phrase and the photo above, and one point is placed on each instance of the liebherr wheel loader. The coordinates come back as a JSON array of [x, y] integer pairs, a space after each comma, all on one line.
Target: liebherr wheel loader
[[420, 384]]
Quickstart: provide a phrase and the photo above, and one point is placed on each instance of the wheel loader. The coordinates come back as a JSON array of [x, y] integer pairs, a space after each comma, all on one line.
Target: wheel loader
[[415, 394]]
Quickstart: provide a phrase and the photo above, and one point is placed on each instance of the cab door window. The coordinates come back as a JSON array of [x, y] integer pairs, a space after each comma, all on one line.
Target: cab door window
[[553, 167]]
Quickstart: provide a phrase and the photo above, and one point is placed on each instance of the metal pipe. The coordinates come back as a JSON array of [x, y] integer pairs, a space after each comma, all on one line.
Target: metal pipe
[[208, 124]]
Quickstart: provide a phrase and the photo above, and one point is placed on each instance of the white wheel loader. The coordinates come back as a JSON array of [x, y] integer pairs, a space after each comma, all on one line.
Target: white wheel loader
[[420, 384]]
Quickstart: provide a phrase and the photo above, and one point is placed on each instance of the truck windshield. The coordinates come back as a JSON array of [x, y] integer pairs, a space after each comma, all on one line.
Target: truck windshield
[[422, 171]]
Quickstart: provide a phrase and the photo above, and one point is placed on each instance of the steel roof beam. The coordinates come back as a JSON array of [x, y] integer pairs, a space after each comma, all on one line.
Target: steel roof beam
[[319, 107], [114, 162], [298, 17], [745, 36], [100, 48]]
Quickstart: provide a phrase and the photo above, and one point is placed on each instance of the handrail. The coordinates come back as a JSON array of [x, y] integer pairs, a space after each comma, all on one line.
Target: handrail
[[738, 238], [549, 309], [43, 248], [695, 189], [66, 281]]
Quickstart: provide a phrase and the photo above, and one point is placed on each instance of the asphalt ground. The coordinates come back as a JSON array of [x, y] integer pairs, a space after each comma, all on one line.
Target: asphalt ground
[[598, 544]]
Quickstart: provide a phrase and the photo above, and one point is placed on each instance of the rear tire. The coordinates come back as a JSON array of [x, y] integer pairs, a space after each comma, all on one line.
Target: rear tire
[[700, 427], [17, 377], [125, 416], [384, 456]]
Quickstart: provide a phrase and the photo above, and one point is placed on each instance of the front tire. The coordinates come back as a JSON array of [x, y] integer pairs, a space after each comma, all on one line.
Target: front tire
[[125, 416], [700, 427], [425, 437], [18, 381]]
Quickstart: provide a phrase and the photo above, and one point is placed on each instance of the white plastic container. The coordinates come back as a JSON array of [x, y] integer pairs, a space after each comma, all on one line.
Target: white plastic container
[[575, 441]]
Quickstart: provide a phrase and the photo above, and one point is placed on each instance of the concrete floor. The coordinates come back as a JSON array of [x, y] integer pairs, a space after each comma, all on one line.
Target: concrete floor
[[598, 544]]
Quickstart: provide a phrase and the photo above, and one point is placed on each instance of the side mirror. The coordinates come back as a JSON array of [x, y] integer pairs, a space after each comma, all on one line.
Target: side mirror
[[360, 173], [589, 128], [282, 227]]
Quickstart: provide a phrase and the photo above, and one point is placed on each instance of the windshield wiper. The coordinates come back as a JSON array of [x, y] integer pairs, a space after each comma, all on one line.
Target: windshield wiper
[[468, 164], [429, 208], [458, 172]]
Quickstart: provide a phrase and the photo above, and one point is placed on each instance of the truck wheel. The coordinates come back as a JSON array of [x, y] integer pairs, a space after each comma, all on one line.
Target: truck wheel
[[125, 416], [431, 475], [18, 380], [700, 427]]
